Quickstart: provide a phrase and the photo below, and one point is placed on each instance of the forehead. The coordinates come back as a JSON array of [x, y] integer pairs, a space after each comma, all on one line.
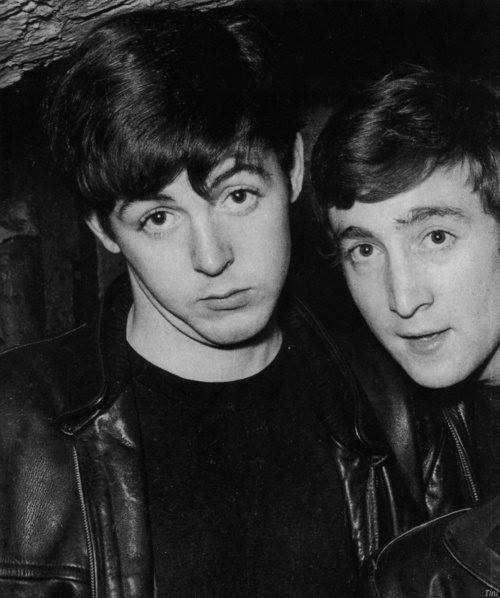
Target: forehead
[[444, 192]]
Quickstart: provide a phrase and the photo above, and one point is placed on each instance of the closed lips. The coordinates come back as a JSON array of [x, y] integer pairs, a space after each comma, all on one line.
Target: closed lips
[[423, 335]]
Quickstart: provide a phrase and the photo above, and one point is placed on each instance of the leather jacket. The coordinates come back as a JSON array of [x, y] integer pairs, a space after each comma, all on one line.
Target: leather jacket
[[454, 556], [427, 430], [74, 519]]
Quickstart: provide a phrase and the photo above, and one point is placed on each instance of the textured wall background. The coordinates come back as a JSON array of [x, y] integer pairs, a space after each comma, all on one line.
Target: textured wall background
[[35, 33]]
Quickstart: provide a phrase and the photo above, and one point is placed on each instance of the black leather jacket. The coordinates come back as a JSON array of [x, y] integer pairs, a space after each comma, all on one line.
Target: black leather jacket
[[454, 556], [73, 517]]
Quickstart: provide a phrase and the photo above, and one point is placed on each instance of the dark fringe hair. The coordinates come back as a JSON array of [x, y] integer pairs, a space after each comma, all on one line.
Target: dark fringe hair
[[391, 136], [151, 93]]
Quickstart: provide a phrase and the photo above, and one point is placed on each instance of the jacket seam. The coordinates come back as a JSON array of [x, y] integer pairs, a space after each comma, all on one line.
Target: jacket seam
[[43, 340], [21, 570], [391, 501], [40, 566]]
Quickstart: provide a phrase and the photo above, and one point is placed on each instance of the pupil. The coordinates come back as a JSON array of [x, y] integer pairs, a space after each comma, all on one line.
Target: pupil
[[366, 250], [159, 217], [239, 196], [438, 236]]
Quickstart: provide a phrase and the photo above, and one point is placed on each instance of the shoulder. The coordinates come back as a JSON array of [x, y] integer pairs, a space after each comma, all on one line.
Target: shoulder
[[40, 522], [39, 376], [37, 381]]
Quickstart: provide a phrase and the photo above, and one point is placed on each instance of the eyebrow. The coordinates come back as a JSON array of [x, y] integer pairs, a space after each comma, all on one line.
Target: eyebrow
[[415, 216], [351, 232], [236, 169], [422, 214]]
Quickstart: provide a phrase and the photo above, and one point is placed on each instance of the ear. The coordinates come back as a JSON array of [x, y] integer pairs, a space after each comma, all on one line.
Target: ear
[[297, 172], [94, 223]]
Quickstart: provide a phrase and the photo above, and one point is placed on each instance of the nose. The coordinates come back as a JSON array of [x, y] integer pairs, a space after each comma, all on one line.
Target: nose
[[408, 288], [211, 252]]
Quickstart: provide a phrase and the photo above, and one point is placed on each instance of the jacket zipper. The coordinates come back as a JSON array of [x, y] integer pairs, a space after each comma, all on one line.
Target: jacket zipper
[[464, 459], [88, 536]]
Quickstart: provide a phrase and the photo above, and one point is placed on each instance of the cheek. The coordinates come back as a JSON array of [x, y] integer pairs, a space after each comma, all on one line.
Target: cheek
[[479, 299], [157, 267], [146, 262], [275, 224], [368, 294], [265, 241], [473, 284], [278, 242]]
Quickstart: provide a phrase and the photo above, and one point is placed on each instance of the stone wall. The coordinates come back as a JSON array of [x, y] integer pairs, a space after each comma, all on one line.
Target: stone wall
[[34, 33]]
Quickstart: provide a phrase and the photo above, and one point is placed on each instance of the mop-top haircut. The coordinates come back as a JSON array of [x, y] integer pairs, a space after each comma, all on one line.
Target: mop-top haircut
[[391, 136], [151, 93]]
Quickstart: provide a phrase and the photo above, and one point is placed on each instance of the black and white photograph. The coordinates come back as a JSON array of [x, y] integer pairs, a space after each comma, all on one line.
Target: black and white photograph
[[249, 299]]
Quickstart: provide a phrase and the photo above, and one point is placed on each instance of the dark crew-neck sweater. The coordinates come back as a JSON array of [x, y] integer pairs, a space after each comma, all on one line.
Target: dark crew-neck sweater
[[244, 496]]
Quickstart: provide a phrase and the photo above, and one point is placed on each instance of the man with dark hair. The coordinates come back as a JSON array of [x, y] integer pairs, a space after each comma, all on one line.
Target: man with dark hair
[[200, 439], [406, 176]]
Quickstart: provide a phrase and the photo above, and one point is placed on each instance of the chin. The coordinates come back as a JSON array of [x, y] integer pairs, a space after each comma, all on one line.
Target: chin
[[438, 377]]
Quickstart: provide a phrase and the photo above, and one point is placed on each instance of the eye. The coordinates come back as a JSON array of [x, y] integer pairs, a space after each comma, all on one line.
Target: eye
[[365, 250], [240, 201], [157, 220], [239, 196], [362, 252], [439, 237]]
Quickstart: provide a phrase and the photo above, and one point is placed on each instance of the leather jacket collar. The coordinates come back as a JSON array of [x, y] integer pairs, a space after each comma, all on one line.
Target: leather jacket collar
[[101, 372]]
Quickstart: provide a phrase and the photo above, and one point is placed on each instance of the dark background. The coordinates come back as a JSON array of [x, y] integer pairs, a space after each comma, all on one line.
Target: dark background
[[51, 273]]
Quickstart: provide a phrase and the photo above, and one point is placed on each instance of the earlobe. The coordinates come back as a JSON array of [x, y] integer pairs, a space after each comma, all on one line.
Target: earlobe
[[95, 225], [297, 172]]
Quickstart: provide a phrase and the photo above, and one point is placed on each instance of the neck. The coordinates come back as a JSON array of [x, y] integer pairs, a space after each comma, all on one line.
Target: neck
[[491, 373], [172, 350]]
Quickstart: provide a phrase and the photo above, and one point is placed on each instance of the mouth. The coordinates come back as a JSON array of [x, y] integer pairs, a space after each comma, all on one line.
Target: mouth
[[227, 301], [426, 343]]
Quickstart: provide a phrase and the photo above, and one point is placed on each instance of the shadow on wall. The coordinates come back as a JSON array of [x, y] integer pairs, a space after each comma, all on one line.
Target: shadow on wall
[[47, 262]]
